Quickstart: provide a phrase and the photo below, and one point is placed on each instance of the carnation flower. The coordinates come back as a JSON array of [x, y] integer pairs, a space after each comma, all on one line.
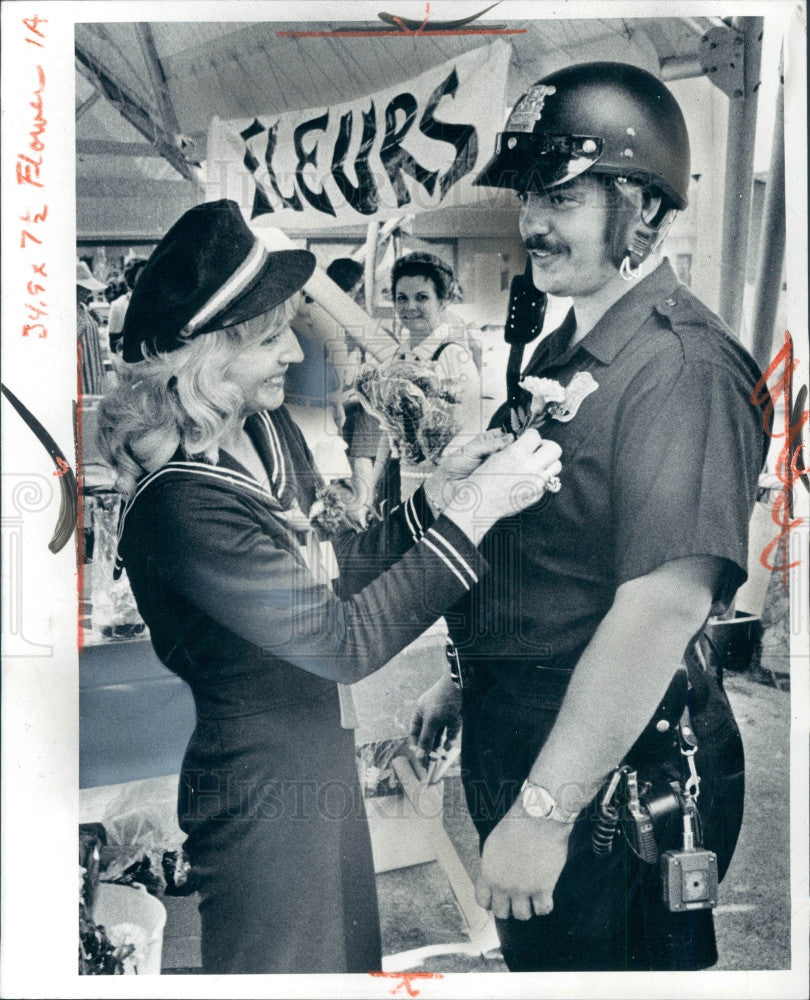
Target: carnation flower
[[335, 505], [547, 398], [131, 942], [547, 394], [551, 401]]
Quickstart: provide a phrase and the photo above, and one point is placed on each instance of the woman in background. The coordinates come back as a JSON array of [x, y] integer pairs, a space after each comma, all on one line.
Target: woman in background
[[226, 570], [421, 287]]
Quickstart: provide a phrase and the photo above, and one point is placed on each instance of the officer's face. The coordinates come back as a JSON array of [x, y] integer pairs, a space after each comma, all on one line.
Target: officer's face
[[258, 370], [566, 231]]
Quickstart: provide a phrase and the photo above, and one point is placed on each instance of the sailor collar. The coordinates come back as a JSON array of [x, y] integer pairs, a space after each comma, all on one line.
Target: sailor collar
[[228, 473]]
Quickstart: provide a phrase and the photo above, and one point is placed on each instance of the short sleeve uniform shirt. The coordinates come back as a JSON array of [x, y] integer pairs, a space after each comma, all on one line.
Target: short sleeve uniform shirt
[[660, 462]]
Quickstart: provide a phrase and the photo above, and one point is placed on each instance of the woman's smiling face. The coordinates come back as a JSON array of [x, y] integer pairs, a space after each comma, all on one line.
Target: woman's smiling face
[[260, 366], [418, 306]]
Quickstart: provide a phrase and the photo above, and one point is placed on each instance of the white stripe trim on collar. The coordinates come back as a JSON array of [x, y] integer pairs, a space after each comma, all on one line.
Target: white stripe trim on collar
[[232, 288], [279, 471], [231, 476]]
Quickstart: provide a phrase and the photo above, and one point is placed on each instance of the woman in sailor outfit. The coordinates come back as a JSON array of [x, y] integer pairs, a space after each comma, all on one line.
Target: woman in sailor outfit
[[223, 565]]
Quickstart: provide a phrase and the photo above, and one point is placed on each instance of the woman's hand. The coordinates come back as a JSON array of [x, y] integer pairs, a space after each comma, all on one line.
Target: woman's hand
[[437, 709], [505, 483], [456, 465]]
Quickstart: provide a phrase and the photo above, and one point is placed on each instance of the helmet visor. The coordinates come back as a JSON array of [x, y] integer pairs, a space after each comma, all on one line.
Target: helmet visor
[[525, 161]]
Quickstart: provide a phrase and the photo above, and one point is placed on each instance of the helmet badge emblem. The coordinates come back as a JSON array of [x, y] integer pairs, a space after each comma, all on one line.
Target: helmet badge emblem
[[529, 108]]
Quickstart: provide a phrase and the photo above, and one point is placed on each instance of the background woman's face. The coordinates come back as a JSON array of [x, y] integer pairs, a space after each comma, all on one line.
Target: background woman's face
[[258, 370], [417, 304]]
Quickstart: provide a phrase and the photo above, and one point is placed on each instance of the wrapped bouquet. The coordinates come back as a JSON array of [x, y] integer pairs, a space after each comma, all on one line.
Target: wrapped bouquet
[[414, 404]]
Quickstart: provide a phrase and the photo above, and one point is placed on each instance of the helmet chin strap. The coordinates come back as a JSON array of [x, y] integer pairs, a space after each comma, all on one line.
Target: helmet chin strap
[[636, 237], [626, 269]]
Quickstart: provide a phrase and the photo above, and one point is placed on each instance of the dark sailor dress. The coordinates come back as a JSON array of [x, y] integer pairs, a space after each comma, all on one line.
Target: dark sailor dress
[[268, 795]]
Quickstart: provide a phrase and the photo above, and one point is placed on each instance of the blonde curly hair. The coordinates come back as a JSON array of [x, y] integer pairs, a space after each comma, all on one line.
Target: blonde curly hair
[[179, 399]]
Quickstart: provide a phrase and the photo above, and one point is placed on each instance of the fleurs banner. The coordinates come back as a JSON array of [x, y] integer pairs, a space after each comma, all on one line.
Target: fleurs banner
[[409, 148]]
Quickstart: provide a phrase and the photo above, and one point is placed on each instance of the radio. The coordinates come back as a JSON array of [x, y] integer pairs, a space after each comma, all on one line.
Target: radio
[[688, 876]]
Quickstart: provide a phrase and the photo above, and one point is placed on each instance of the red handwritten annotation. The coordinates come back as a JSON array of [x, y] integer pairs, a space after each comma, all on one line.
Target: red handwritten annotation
[[789, 464], [406, 28], [407, 979], [28, 171]]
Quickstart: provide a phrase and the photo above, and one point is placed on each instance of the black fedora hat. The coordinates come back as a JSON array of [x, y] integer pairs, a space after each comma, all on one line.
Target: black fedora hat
[[208, 272]]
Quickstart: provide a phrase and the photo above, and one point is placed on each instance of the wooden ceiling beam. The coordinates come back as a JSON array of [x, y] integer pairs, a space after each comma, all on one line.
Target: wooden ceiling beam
[[91, 69], [112, 147], [157, 76], [85, 106]]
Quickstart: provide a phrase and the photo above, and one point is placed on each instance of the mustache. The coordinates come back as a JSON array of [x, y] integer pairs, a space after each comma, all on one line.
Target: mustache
[[544, 243]]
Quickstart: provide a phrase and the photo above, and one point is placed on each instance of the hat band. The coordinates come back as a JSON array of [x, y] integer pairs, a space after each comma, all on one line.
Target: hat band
[[241, 278]]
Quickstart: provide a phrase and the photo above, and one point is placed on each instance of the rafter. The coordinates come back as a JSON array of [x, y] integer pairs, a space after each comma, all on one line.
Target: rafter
[[85, 106], [91, 69], [157, 75], [110, 147]]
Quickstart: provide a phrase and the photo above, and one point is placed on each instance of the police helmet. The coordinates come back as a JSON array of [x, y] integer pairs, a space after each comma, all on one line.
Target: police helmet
[[608, 118]]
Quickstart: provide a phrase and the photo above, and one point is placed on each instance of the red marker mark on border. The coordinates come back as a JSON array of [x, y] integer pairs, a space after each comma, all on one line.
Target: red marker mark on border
[[405, 27], [406, 980], [387, 33], [789, 464], [409, 29]]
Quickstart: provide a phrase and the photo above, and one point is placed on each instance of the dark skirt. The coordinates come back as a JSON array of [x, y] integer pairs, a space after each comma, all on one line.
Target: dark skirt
[[279, 844]]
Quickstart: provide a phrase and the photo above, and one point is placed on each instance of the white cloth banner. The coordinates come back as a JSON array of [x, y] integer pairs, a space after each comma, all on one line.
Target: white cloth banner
[[409, 148]]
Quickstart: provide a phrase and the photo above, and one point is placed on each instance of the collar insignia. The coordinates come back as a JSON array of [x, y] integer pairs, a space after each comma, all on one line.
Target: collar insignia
[[577, 390]]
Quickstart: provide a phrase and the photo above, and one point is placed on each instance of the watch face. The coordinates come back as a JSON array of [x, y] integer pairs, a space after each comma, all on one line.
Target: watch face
[[537, 801]]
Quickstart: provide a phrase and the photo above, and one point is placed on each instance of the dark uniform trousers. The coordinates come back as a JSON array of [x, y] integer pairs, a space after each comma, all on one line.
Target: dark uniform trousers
[[608, 910]]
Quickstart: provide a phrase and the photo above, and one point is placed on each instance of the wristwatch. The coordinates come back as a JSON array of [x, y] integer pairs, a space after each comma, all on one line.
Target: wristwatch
[[540, 803]]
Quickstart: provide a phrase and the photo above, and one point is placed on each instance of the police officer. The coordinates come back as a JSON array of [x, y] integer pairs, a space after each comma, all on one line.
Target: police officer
[[581, 649]]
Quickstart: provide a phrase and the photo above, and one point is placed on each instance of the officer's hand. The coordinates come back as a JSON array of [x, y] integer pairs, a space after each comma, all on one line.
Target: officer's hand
[[520, 865], [438, 707]]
